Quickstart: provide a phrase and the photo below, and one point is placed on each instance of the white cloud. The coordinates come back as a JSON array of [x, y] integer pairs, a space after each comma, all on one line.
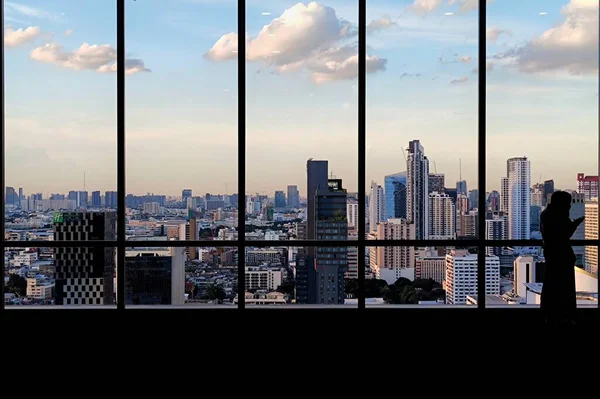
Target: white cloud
[[543, 13], [459, 81], [101, 58], [571, 46], [421, 7], [305, 36], [465, 59], [68, 32], [14, 38], [382, 23], [30, 11], [492, 34]]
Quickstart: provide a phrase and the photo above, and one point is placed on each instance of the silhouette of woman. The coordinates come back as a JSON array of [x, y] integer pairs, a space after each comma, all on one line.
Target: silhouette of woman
[[558, 291]]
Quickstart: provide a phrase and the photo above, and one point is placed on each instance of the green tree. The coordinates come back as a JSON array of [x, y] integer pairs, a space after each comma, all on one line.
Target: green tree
[[213, 292], [17, 285]]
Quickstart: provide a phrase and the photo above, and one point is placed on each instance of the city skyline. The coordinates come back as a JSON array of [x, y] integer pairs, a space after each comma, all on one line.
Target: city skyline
[[189, 137]]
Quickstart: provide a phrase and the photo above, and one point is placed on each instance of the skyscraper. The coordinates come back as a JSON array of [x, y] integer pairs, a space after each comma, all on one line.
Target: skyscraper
[[461, 187], [10, 196], [461, 276], [84, 275], [377, 208], [331, 224], [417, 189], [293, 197], [155, 276], [21, 195], [504, 194], [578, 210], [316, 174], [519, 212], [436, 183], [591, 233], [494, 201], [441, 217], [395, 196], [548, 190], [473, 199], [587, 185], [185, 194], [96, 201], [279, 199]]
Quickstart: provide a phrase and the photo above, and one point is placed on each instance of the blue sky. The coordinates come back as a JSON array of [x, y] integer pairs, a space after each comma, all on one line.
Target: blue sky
[[301, 91]]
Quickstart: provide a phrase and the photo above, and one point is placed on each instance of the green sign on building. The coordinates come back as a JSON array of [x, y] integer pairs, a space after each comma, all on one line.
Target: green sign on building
[[58, 217]]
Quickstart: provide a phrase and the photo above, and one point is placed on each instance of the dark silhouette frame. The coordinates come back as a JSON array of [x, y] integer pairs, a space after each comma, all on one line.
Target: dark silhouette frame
[[480, 242]]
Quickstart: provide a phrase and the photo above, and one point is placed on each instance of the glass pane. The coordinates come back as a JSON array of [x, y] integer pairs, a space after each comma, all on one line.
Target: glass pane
[[181, 119], [157, 276], [301, 109], [60, 111], [65, 277], [542, 99], [425, 276], [309, 276], [422, 117], [523, 274]]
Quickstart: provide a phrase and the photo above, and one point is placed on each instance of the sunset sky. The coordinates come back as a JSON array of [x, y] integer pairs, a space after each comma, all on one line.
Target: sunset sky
[[301, 91]]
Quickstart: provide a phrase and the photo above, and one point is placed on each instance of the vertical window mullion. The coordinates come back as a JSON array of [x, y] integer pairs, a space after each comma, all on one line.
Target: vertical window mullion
[[121, 154], [241, 10], [481, 100], [362, 144], [2, 153]]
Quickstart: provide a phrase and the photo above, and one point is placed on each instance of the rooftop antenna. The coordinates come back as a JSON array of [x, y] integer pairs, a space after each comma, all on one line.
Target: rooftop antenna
[[460, 169], [83, 181], [435, 167]]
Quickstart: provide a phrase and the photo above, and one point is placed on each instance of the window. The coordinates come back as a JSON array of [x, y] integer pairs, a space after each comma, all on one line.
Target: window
[[334, 153]]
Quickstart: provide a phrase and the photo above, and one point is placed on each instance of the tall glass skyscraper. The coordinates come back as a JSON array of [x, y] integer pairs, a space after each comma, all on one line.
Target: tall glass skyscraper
[[395, 196]]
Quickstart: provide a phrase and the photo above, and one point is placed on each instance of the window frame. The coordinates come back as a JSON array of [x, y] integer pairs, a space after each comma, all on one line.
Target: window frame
[[362, 243]]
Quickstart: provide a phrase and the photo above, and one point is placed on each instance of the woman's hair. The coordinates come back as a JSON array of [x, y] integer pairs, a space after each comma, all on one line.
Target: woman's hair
[[560, 200]]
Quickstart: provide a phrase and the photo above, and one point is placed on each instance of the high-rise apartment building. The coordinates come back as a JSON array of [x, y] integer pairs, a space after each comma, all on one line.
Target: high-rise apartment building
[[155, 276], [473, 199], [578, 210], [395, 196], [466, 225], [393, 260], [537, 195], [84, 275], [441, 217], [377, 206], [352, 212], [461, 276], [519, 182], [587, 185], [293, 197], [110, 199], [436, 183], [504, 195], [430, 266], [279, 199], [496, 228], [21, 194], [591, 233], [417, 189], [96, 199], [494, 201]]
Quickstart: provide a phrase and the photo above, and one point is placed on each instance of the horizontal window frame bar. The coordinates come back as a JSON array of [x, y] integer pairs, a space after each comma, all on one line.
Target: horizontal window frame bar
[[293, 243]]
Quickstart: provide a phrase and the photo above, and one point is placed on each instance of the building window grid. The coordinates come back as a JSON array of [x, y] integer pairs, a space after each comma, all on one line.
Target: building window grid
[[481, 242]]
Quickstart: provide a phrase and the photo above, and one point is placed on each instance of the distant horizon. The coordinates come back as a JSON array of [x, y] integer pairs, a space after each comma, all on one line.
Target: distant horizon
[[301, 88]]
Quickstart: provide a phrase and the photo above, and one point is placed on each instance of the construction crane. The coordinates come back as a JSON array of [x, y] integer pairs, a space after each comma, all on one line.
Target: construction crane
[[404, 153]]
